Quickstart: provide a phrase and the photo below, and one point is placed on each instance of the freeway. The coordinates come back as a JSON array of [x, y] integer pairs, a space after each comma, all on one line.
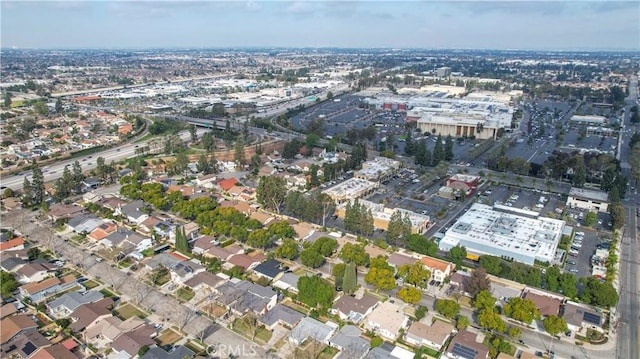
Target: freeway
[[54, 171]]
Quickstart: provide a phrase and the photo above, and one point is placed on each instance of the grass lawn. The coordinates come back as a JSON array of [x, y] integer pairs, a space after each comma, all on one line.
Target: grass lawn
[[328, 353], [301, 272], [90, 284], [295, 306], [311, 349], [107, 293], [185, 293], [262, 334], [381, 297], [128, 310], [168, 336], [195, 347], [146, 137]]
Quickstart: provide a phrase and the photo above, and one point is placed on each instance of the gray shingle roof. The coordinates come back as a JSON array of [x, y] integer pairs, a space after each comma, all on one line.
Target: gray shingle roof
[[310, 328], [281, 313], [73, 300]]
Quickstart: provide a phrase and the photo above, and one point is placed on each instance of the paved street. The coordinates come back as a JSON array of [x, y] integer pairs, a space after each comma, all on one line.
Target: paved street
[[132, 289]]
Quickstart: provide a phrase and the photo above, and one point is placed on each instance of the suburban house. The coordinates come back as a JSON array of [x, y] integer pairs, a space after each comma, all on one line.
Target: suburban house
[[64, 211], [128, 344], [24, 344], [10, 309], [203, 243], [269, 269], [303, 230], [206, 181], [309, 328], [465, 345], [13, 244], [280, 315], [398, 260], [110, 328], [459, 280], [204, 281], [288, 281], [84, 223], [133, 212], [33, 272], [387, 320], [439, 269], [56, 351], [87, 314], [178, 352], [579, 316], [354, 309], [68, 302], [241, 297], [388, 351], [245, 261], [154, 225], [433, 336], [38, 291], [185, 270], [262, 217], [350, 343], [103, 231], [11, 264], [15, 325], [504, 292], [547, 304], [226, 184]]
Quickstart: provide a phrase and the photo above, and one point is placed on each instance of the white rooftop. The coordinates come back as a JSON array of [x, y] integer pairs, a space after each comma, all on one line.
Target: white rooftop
[[349, 187], [589, 194], [485, 230]]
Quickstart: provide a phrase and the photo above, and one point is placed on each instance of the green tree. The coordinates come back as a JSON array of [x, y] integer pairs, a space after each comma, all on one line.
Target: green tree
[[448, 150], [41, 108], [208, 142], [329, 95], [521, 309], [8, 284], [477, 282], [350, 282], [552, 278], [58, 107], [8, 192], [7, 99], [515, 332], [288, 249], [419, 244], [415, 274], [554, 325], [354, 253], [315, 292], [399, 228], [462, 322], [579, 172], [203, 164], [271, 192], [238, 152], [381, 274], [491, 320], [281, 230], [484, 300], [260, 238], [457, 254], [326, 246], [37, 184], [616, 210], [590, 219], [376, 341], [311, 258], [448, 308], [76, 177], [569, 285], [491, 264], [182, 243], [143, 350], [27, 193], [421, 312], [63, 323], [193, 133], [410, 295], [438, 152]]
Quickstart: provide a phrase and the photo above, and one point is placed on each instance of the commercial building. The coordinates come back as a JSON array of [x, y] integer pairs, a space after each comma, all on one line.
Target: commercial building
[[382, 216], [378, 170], [524, 237], [443, 72], [351, 189], [589, 199], [457, 124], [594, 120]]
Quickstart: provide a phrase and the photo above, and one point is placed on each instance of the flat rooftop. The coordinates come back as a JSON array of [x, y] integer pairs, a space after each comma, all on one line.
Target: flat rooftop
[[350, 187], [591, 194], [380, 212], [487, 228]]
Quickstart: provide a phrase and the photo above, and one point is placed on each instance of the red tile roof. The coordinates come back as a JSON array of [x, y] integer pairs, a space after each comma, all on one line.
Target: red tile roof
[[226, 184]]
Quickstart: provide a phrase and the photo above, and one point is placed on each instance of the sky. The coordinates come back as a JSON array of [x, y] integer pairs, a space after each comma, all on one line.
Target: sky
[[521, 25]]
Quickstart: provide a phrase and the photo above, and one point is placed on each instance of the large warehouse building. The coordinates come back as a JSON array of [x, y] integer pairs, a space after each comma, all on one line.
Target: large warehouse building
[[505, 232]]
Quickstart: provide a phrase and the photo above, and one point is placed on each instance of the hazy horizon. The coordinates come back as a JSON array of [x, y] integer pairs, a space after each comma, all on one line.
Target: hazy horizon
[[471, 25]]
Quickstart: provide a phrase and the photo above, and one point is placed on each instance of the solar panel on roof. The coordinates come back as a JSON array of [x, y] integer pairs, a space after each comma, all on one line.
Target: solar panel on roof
[[463, 351], [29, 348], [591, 318]]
